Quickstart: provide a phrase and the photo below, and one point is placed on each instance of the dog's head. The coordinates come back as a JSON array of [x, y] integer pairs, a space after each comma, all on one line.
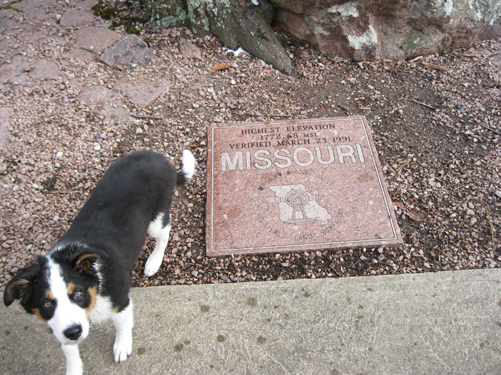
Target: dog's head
[[61, 289]]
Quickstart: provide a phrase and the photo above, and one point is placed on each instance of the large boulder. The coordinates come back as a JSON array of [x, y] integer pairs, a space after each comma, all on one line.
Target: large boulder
[[359, 30], [387, 29]]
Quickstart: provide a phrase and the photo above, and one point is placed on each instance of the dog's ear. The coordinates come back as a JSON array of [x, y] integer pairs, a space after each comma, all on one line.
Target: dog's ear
[[21, 285], [80, 258], [84, 262]]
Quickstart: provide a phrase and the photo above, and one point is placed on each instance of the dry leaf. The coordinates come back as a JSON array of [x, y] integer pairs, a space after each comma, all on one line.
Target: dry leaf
[[219, 67], [278, 25], [413, 215], [399, 205]]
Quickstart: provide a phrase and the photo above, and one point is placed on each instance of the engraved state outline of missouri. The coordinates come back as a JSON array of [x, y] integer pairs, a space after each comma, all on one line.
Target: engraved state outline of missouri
[[296, 205]]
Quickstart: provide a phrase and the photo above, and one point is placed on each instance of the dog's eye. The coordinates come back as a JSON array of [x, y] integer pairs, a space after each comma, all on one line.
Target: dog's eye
[[47, 304], [78, 294]]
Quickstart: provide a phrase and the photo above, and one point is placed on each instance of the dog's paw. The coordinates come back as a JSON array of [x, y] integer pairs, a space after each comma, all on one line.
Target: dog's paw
[[122, 347], [153, 264]]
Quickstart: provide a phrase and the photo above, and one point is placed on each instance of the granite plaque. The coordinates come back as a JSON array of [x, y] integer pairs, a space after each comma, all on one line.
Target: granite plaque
[[296, 185]]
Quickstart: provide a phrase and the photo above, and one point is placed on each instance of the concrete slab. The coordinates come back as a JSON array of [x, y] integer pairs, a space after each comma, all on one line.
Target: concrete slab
[[296, 185], [442, 323]]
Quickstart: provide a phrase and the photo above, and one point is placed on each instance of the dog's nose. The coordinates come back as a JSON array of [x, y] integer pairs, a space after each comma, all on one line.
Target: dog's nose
[[74, 332]]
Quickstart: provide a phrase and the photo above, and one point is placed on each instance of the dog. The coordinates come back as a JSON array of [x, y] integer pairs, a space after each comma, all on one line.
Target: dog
[[86, 275]]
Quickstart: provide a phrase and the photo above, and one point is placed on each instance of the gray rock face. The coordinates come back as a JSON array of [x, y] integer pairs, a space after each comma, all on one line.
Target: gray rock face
[[128, 51], [359, 30], [387, 29]]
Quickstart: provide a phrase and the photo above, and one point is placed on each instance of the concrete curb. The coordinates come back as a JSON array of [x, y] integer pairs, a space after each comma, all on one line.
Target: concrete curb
[[433, 323]]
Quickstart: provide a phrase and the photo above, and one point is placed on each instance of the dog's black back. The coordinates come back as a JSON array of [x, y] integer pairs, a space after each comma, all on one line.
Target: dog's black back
[[115, 219]]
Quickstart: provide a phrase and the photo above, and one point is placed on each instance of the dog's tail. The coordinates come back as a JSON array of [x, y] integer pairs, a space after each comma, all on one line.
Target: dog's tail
[[188, 169]]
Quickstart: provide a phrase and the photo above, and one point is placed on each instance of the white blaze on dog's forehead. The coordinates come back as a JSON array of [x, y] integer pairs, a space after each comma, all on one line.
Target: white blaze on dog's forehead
[[66, 313], [56, 281]]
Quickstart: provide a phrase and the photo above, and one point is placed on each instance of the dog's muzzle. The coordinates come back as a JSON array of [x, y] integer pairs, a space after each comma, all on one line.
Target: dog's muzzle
[[74, 332]]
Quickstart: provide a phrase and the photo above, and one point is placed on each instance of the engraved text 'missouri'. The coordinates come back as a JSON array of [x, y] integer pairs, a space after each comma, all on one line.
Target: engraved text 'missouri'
[[284, 158]]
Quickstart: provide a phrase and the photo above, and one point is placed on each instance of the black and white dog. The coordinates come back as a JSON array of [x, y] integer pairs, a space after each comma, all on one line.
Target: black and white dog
[[86, 275]]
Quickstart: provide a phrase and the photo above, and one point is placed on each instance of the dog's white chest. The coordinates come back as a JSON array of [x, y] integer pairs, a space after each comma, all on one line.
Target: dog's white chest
[[103, 310]]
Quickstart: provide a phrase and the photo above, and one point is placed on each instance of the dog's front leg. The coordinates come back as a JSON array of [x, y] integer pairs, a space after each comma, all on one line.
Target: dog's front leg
[[123, 322], [74, 365]]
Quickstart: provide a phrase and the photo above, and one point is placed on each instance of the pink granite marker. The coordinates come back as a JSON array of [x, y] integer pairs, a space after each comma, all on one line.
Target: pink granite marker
[[296, 185]]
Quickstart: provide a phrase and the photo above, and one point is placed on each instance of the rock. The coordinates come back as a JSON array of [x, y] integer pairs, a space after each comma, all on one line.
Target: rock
[[128, 51], [5, 115], [44, 69], [190, 50], [16, 71], [141, 95], [105, 102], [95, 39], [382, 29], [76, 18], [492, 32], [23, 70], [38, 10]]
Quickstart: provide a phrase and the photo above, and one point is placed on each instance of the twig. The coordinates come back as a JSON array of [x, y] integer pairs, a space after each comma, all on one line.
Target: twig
[[145, 117], [343, 107], [63, 191], [437, 67], [424, 104], [488, 128], [399, 169], [95, 55], [272, 115]]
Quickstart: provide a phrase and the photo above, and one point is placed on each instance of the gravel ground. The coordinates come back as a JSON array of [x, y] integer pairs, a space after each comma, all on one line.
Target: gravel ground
[[436, 122]]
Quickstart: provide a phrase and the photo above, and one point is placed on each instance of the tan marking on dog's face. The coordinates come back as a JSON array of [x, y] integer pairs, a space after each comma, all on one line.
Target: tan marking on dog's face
[[36, 312], [115, 309], [49, 295], [71, 288], [93, 299]]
